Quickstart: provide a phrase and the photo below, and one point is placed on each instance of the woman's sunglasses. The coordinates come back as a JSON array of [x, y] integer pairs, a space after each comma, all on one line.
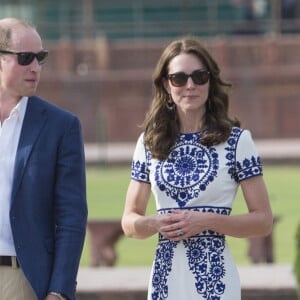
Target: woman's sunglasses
[[26, 58], [179, 79]]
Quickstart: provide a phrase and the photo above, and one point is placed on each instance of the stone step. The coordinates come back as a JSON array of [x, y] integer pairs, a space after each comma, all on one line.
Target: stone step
[[259, 282]]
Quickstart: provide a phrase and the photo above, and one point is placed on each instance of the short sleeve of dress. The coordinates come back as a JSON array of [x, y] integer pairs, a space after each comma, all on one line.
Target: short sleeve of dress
[[248, 162], [139, 166]]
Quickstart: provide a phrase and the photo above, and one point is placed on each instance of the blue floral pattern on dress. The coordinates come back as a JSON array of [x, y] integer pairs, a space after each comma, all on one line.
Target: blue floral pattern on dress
[[139, 171], [205, 257], [182, 179], [231, 155], [188, 170], [206, 261], [248, 167], [162, 268]]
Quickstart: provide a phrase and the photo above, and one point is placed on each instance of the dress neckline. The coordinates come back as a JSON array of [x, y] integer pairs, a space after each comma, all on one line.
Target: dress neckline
[[192, 133]]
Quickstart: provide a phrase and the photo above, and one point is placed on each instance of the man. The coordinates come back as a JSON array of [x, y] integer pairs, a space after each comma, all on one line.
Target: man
[[43, 210]]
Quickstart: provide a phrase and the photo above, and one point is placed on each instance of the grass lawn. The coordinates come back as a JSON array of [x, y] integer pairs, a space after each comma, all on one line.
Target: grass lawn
[[106, 189]]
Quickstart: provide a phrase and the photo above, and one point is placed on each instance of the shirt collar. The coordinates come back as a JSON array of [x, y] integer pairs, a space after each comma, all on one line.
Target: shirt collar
[[20, 108]]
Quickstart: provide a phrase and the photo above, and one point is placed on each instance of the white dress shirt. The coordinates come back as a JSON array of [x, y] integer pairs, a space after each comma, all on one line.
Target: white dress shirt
[[10, 131]]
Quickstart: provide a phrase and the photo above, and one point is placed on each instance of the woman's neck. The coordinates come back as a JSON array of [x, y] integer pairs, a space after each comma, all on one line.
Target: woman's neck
[[190, 123]]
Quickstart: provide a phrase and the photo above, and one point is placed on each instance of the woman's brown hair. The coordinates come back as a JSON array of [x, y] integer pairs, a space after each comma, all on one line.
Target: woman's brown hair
[[161, 125]]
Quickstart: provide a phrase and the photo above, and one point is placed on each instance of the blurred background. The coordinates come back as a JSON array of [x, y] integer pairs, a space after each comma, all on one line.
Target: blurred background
[[101, 58], [103, 53]]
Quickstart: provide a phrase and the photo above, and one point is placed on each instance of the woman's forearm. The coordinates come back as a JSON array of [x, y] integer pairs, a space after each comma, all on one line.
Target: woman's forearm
[[241, 226], [138, 226]]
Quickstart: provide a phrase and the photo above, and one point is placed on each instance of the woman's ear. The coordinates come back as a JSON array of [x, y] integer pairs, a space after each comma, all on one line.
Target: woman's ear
[[167, 85]]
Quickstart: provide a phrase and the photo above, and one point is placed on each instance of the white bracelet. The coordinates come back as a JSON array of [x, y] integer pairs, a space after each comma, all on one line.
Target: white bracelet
[[58, 295]]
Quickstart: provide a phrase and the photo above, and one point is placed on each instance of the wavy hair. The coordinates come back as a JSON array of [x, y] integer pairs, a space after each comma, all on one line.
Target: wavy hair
[[161, 125]]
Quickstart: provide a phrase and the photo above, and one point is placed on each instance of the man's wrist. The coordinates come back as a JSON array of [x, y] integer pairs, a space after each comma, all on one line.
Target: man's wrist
[[58, 295]]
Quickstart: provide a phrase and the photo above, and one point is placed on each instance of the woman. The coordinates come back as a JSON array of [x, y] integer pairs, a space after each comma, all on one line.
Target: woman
[[193, 157]]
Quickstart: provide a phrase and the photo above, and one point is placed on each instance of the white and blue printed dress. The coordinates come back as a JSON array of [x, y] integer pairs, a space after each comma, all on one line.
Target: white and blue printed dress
[[198, 178]]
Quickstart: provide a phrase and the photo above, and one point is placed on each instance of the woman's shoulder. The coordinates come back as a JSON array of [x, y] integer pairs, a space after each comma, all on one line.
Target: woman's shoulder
[[239, 131], [241, 137], [141, 137]]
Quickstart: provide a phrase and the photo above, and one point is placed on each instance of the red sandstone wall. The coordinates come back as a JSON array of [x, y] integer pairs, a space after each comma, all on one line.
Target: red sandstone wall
[[109, 85]]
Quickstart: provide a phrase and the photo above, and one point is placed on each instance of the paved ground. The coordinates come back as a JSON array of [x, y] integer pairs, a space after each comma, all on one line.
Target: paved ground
[[261, 276], [271, 150]]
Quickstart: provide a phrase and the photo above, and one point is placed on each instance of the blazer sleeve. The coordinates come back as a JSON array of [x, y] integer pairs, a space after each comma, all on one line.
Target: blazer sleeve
[[70, 210]]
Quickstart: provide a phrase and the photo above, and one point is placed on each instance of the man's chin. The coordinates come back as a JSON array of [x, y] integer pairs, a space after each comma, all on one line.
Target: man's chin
[[30, 92]]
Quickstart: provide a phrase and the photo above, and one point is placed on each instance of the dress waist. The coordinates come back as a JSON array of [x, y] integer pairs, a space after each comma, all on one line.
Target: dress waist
[[205, 234], [203, 209]]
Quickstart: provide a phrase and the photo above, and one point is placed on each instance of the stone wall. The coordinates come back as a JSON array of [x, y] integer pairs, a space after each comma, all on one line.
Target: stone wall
[[108, 85]]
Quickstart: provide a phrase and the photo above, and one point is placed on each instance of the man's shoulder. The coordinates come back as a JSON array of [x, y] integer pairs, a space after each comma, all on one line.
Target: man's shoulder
[[49, 106]]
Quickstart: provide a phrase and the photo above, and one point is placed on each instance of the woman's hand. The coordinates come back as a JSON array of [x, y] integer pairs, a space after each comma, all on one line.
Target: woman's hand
[[181, 224]]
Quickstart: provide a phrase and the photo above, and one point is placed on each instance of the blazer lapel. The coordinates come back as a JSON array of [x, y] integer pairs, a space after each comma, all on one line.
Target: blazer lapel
[[34, 120]]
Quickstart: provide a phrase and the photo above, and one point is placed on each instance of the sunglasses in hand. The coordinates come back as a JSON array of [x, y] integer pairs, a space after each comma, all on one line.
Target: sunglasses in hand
[[180, 79], [26, 58]]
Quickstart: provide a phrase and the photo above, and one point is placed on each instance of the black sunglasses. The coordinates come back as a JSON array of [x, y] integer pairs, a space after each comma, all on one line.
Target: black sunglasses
[[179, 79], [26, 58]]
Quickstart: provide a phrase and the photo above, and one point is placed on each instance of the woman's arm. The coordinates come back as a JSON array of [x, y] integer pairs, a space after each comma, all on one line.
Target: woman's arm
[[257, 222], [134, 222]]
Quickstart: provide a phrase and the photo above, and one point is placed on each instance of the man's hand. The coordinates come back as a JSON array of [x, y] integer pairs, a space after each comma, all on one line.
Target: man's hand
[[54, 297]]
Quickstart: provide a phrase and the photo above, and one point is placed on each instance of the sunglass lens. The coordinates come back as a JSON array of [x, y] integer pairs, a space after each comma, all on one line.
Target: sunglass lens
[[200, 77], [25, 58], [41, 57], [179, 79]]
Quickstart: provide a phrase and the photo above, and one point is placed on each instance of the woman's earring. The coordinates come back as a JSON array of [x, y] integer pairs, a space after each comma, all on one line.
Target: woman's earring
[[209, 104], [170, 104]]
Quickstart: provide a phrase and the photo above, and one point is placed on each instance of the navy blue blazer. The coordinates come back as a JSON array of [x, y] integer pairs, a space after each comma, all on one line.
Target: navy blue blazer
[[48, 211]]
